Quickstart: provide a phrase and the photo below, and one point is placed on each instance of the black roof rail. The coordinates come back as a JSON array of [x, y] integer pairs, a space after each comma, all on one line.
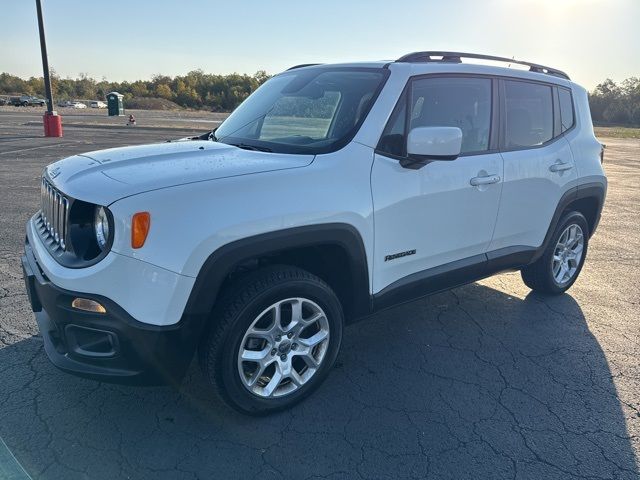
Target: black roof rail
[[303, 65], [456, 57]]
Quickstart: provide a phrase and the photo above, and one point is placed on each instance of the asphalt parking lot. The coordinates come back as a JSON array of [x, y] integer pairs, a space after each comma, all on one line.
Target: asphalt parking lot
[[486, 381]]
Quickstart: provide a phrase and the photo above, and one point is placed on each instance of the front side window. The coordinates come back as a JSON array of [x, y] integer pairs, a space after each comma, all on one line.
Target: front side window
[[442, 102], [566, 109], [454, 102], [313, 110], [528, 114]]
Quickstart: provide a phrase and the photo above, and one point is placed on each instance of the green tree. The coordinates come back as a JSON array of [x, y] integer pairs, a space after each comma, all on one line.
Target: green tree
[[164, 91], [616, 103]]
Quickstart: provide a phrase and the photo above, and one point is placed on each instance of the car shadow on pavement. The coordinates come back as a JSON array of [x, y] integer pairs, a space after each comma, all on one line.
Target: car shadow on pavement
[[472, 383]]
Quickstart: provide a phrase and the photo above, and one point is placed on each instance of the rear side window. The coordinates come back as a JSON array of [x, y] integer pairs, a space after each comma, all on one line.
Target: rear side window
[[528, 114], [566, 109], [442, 102]]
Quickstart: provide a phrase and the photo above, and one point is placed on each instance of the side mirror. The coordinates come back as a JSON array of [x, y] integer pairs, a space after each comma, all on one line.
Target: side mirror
[[426, 144]]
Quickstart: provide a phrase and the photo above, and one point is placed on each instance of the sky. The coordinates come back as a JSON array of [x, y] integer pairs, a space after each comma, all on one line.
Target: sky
[[119, 40]]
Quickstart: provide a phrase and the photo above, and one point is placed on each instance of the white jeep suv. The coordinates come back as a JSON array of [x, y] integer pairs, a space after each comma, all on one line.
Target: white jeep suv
[[331, 193]]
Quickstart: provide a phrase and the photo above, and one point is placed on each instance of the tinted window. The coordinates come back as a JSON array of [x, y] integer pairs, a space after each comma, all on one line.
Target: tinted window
[[529, 114], [443, 102], [392, 140], [454, 102], [566, 109]]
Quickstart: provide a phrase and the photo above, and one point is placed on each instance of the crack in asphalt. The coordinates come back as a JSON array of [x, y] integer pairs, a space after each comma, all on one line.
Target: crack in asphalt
[[485, 381]]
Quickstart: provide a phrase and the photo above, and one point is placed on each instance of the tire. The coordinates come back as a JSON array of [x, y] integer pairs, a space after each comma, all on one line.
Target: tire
[[25, 104], [248, 308], [546, 275]]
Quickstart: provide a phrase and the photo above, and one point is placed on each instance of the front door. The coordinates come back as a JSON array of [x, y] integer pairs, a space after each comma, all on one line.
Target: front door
[[446, 210]]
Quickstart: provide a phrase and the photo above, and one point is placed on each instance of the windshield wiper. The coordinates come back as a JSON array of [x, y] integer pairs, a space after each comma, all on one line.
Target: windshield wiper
[[245, 146], [207, 136]]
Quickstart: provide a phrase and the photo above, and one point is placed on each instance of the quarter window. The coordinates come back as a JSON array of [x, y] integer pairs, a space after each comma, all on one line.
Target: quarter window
[[529, 114], [566, 109], [393, 138]]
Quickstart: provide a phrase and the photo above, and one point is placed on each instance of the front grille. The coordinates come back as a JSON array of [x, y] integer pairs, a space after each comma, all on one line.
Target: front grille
[[54, 215]]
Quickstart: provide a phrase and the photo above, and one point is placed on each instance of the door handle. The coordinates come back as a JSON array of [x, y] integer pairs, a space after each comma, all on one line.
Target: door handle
[[560, 167], [486, 180]]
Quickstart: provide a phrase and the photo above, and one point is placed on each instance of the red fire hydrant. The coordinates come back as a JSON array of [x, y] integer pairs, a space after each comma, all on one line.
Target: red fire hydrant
[[52, 124]]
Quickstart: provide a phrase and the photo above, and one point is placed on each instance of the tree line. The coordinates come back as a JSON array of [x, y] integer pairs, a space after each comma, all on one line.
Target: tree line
[[196, 89], [616, 103], [611, 102]]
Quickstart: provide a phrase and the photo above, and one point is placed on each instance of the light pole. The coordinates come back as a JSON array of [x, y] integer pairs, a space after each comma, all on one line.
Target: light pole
[[52, 121]]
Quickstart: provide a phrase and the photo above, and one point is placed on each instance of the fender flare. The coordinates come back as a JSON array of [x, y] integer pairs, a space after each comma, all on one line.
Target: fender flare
[[594, 190], [221, 262]]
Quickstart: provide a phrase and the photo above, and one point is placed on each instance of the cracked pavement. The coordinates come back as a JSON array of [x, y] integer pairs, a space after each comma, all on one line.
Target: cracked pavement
[[485, 381]]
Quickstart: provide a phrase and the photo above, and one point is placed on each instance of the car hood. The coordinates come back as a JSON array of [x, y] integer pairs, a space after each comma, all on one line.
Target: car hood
[[104, 176]]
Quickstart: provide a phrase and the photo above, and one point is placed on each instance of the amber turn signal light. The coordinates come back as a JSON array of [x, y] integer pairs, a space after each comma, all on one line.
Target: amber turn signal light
[[140, 224]]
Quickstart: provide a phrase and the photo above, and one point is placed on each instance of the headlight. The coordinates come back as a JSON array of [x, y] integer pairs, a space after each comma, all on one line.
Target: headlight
[[101, 227]]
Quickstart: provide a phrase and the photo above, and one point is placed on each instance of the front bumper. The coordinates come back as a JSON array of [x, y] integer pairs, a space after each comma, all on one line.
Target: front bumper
[[111, 347]]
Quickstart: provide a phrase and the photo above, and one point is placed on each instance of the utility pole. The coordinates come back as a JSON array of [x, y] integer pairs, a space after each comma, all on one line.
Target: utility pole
[[52, 121], [45, 60]]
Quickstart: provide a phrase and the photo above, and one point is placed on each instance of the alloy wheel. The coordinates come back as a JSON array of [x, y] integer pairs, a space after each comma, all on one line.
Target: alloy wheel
[[567, 254], [283, 348]]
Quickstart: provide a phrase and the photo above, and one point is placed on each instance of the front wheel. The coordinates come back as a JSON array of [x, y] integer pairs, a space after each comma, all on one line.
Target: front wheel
[[276, 336], [562, 261]]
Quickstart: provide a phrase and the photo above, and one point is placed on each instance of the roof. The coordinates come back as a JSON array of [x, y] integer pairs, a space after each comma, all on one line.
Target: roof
[[456, 57], [451, 62]]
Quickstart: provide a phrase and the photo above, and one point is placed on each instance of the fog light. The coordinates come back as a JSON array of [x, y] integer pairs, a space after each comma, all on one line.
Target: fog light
[[88, 305]]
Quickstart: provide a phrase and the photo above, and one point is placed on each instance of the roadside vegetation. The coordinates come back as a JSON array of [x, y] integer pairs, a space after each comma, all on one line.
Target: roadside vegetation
[[617, 132], [616, 104], [612, 104], [196, 89]]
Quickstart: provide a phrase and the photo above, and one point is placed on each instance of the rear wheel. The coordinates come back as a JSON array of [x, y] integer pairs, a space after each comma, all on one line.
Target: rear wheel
[[562, 261], [276, 337]]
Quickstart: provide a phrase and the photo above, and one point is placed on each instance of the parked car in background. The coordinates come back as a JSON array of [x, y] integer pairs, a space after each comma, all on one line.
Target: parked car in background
[[77, 105], [28, 101], [98, 104], [65, 103]]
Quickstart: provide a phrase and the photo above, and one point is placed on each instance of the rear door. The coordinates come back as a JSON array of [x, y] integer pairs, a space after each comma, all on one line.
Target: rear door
[[444, 211], [538, 162]]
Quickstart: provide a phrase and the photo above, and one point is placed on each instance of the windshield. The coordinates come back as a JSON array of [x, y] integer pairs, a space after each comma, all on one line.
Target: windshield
[[312, 110]]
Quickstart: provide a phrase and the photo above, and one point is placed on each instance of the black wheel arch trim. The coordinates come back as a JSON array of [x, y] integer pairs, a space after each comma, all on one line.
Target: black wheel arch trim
[[221, 262], [593, 190]]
